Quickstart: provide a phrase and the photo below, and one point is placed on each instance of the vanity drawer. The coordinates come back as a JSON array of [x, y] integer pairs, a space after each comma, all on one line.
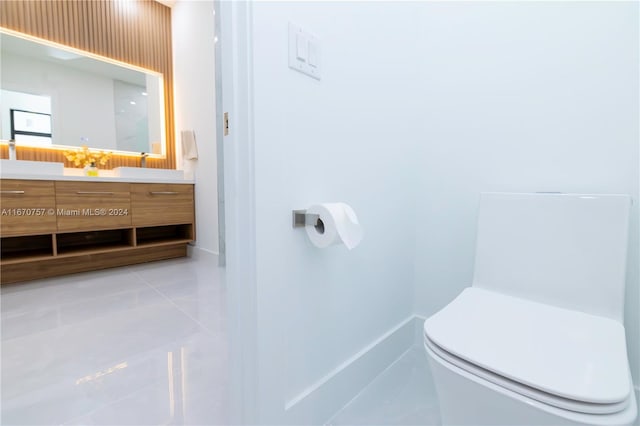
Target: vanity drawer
[[161, 204], [92, 205], [28, 207]]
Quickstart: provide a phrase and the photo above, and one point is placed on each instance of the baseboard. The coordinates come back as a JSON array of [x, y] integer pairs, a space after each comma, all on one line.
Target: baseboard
[[196, 252], [320, 401], [637, 389]]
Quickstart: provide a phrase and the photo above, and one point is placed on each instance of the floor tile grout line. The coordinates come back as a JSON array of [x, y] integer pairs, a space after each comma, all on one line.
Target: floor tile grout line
[[164, 296], [110, 403], [207, 329], [143, 283], [93, 299], [89, 299]]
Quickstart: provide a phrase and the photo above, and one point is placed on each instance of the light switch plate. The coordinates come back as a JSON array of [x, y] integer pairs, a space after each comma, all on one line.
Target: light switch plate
[[309, 64]]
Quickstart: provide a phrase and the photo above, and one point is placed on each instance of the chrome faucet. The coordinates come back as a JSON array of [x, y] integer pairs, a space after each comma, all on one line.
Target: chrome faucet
[[143, 159], [12, 149]]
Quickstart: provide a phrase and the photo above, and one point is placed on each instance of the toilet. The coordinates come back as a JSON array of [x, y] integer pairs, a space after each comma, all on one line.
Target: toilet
[[538, 338]]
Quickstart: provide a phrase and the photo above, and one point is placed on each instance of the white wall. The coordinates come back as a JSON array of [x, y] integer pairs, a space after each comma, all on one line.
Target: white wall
[[535, 96], [348, 137], [81, 103], [194, 94], [421, 107]]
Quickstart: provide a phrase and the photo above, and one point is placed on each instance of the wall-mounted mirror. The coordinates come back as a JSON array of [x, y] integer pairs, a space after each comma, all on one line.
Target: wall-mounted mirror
[[55, 96]]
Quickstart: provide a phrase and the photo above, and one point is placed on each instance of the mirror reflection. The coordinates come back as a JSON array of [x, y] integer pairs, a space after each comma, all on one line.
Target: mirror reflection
[[51, 96]]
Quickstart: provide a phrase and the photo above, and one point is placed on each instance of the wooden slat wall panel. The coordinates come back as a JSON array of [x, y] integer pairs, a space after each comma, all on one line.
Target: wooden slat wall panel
[[137, 32]]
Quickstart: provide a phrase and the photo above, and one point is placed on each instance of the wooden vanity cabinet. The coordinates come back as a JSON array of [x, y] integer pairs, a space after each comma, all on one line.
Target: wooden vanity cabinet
[[149, 204], [27, 207], [89, 225], [92, 205]]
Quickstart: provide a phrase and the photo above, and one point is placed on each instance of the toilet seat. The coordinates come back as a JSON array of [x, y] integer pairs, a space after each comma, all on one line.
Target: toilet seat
[[563, 358], [545, 398]]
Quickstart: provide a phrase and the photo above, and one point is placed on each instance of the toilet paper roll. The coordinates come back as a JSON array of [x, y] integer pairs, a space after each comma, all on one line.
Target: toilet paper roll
[[337, 224]]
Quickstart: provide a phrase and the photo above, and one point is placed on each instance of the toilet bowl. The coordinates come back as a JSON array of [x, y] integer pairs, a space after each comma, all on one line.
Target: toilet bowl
[[538, 338]]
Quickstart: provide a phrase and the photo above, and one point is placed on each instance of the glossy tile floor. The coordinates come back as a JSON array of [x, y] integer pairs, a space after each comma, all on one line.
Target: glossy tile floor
[[404, 394], [129, 346]]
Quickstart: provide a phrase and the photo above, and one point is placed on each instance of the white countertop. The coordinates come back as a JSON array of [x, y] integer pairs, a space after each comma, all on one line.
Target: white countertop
[[76, 176]]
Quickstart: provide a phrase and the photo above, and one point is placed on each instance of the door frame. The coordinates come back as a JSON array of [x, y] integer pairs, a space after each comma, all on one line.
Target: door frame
[[236, 186]]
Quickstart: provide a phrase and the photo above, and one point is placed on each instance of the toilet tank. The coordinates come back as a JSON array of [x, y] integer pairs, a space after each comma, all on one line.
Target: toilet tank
[[567, 250]]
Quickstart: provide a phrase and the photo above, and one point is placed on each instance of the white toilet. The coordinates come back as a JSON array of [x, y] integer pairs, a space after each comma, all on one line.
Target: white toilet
[[538, 338]]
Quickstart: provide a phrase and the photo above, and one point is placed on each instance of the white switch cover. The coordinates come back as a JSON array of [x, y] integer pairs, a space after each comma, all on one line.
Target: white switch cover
[[304, 52], [301, 47], [312, 54]]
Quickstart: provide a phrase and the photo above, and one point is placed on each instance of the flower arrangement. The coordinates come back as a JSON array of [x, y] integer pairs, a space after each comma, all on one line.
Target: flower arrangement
[[84, 157]]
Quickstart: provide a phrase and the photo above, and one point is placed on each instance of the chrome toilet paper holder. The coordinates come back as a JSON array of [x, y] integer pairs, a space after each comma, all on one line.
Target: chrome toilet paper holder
[[301, 218]]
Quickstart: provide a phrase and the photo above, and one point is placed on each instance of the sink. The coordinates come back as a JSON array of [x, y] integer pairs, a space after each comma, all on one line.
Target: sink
[[30, 168], [144, 173]]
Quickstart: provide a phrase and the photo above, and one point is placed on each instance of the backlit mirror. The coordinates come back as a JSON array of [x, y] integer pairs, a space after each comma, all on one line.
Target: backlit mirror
[[54, 96]]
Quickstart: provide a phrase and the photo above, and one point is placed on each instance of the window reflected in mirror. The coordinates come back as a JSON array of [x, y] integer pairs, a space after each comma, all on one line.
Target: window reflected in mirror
[[26, 118]]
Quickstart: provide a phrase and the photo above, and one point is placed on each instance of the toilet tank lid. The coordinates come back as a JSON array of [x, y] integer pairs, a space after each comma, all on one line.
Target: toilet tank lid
[[563, 352]]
